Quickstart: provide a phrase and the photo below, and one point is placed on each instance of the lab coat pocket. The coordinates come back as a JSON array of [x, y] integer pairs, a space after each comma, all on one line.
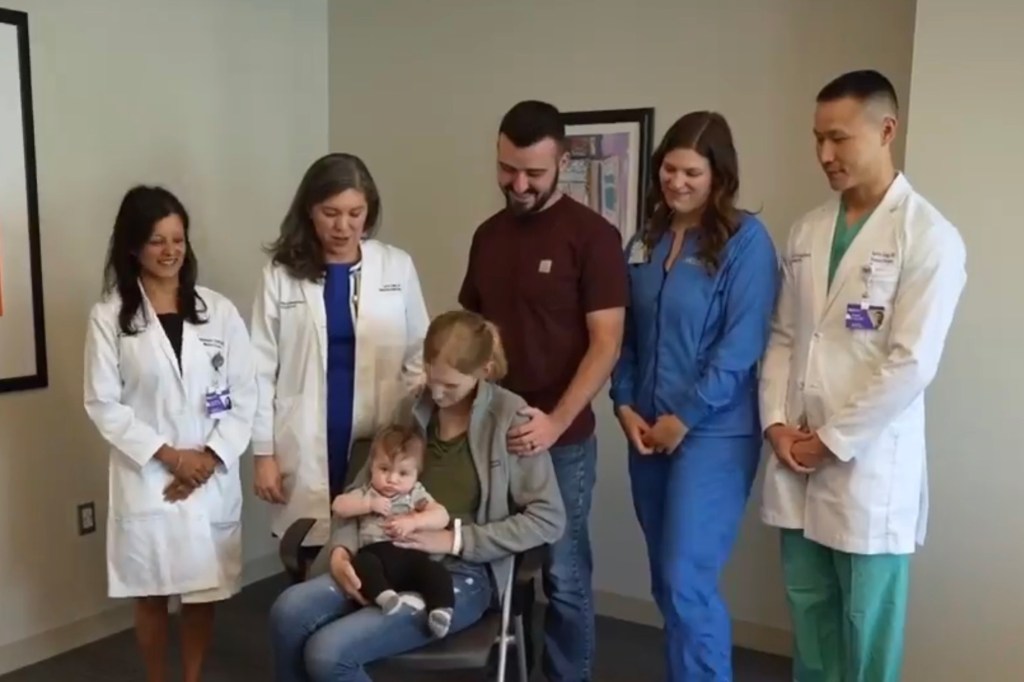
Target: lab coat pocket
[[882, 283], [290, 433], [161, 553], [389, 398], [223, 495], [816, 413], [227, 538]]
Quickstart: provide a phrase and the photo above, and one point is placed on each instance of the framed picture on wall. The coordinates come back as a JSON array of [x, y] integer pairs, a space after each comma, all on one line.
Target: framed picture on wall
[[609, 163], [22, 337]]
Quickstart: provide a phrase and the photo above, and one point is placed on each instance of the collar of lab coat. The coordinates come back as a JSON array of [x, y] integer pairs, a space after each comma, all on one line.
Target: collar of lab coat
[[164, 344], [824, 296], [370, 265]]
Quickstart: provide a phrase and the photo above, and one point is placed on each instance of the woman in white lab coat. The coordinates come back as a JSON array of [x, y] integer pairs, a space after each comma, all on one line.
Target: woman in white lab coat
[[170, 385], [337, 327]]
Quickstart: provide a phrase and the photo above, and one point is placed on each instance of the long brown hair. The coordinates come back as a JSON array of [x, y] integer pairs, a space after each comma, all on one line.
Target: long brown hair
[[298, 248], [141, 209], [708, 134], [467, 342]]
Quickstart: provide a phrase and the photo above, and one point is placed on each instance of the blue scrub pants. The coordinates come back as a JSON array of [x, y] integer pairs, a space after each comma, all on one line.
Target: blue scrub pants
[[690, 505]]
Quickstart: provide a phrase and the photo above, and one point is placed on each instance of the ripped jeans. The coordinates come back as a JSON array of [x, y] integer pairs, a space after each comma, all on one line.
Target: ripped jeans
[[320, 635]]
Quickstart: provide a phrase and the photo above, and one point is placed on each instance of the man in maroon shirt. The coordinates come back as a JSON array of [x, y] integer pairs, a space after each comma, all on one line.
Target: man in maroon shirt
[[550, 273]]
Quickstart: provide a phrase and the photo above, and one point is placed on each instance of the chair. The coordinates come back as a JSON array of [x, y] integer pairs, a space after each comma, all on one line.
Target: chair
[[470, 649]]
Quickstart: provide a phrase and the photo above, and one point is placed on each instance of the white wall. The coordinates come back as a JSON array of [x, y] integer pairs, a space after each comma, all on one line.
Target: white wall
[[224, 101], [419, 88], [964, 152]]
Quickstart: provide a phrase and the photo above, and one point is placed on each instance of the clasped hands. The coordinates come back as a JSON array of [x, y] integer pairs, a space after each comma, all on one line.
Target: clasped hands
[[800, 450], [190, 468], [396, 527], [663, 437]]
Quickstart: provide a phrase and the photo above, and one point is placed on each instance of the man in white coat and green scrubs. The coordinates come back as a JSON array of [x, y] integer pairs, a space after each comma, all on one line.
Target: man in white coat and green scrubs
[[871, 281]]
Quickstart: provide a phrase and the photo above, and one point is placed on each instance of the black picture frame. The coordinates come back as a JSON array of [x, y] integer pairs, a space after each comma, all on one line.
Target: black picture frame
[[39, 378], [587, 133]]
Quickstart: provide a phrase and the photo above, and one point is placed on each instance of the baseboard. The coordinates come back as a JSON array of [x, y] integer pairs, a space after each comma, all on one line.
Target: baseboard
[[108, 622], [48, 644], [643, 611], [762, 638], [261, 568]]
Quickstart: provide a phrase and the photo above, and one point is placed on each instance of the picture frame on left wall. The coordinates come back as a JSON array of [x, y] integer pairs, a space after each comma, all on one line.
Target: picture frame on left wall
[[22, 332]]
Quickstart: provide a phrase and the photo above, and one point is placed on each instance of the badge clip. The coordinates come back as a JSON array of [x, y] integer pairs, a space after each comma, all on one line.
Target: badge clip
[[638, 254]]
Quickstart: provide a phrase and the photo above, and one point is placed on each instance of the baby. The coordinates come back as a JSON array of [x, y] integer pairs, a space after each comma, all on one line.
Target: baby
[[392, 506]]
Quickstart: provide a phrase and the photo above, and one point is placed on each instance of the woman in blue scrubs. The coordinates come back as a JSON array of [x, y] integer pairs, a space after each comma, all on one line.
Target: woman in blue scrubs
[[703, 280]]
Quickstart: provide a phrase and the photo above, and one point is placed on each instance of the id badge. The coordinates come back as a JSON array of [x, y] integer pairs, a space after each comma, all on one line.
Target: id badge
[[864, 317], [218, 401], [637, 254]]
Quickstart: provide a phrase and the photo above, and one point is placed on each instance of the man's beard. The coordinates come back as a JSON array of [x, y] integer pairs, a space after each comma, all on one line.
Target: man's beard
[[540, 200]]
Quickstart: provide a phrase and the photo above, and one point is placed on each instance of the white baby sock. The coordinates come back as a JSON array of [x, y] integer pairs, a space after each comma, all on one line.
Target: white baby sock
[[388, 601], [439, 621]]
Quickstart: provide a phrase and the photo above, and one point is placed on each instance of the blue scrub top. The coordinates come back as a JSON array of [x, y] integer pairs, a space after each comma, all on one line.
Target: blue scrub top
[[694, 338], [341, 366]]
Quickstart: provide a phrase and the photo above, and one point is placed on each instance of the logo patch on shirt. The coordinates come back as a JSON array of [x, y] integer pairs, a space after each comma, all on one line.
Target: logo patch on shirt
[[545, 266], [394, 286]]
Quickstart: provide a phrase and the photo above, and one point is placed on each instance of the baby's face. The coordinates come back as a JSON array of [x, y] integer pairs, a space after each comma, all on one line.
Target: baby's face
[[391, 478]]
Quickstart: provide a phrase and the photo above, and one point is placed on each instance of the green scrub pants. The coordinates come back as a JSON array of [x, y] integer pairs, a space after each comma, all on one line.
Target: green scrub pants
[[849, 611]]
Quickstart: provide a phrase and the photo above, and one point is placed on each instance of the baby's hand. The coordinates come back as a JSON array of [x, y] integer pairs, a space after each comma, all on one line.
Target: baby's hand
[[380, 505], [402, 526]]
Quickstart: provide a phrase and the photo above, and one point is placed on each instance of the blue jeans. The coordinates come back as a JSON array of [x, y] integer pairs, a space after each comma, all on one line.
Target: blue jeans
[[569, 618], [690, 505], [320, 635]]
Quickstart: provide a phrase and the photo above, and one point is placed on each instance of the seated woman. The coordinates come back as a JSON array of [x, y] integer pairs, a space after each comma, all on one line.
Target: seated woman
[[321, 632]]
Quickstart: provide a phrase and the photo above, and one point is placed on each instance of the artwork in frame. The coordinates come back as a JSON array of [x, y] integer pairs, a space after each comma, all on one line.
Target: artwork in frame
[[609, 163], [22, 337]]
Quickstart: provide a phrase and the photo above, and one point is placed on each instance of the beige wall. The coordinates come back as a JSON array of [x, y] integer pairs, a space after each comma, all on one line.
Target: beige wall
[[226, 103], [418, 89], [964, 152]]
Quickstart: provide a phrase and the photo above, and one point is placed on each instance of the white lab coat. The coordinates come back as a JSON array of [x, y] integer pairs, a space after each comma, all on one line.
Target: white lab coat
[[861, 390], [139, 401], [289, 335]]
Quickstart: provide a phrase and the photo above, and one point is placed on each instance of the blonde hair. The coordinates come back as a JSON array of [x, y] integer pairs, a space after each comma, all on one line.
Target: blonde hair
[[396, 442], [467, 342]]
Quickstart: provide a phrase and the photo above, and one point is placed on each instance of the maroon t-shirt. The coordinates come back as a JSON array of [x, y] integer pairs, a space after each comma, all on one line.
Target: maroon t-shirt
[[536, 277]]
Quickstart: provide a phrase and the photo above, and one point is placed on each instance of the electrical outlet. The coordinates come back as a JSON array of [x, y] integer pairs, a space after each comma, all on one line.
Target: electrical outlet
[[86, 518]]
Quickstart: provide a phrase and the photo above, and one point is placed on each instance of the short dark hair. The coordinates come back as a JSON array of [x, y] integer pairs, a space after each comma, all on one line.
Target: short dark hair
[[396, 442], [864, 85], [531, 121]]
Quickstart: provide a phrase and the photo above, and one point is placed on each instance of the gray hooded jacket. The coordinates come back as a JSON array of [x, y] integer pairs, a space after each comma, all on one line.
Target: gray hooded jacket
[[520, 504]]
